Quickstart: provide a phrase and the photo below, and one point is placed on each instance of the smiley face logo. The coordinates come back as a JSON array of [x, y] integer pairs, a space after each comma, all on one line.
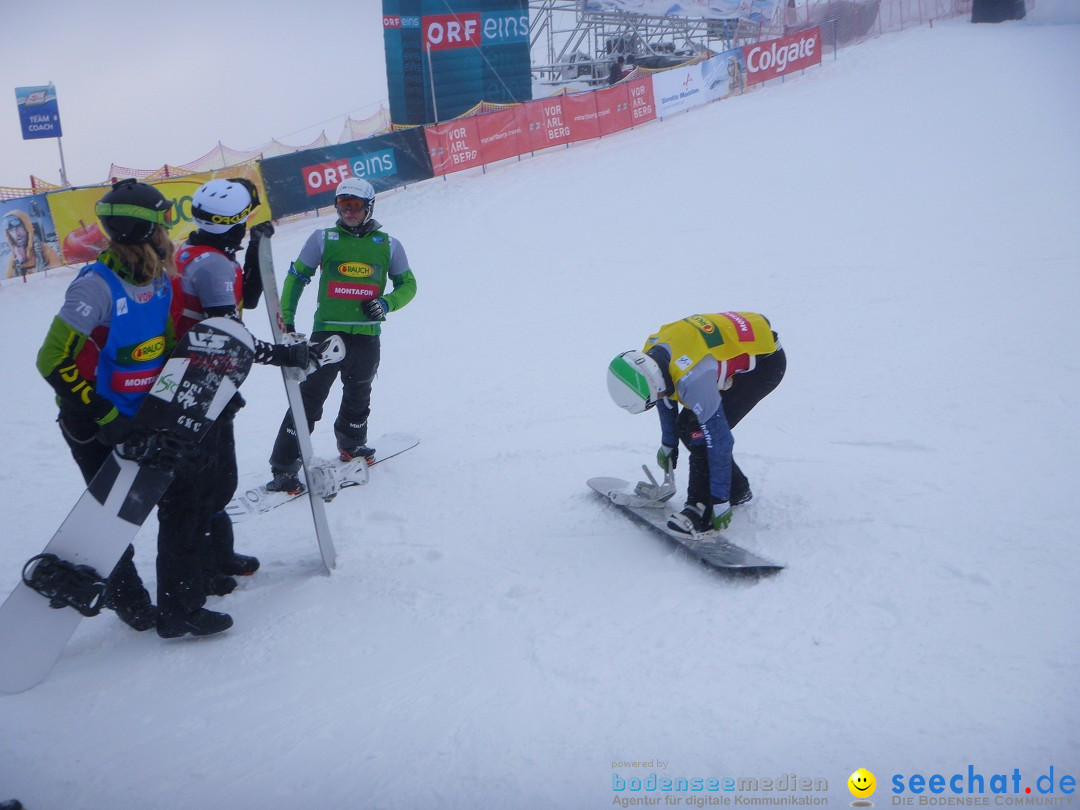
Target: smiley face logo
[[862, 784]]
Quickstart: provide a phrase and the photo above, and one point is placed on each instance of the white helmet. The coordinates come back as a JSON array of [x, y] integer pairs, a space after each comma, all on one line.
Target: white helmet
[[219, 205], [356, 187], [362, 190], [635, 381]]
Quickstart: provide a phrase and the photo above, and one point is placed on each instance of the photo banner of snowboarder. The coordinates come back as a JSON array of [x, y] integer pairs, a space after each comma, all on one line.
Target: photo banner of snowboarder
[[30, 244]]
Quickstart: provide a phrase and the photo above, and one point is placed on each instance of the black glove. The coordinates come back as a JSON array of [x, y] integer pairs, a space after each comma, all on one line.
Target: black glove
[[375, 309], [292, 355], [115, 430], [235, 404], [257, 232], [290, 328]]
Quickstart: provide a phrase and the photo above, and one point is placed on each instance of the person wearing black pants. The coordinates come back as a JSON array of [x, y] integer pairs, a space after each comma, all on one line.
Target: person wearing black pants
[[124, 590], [717, 367], [352, 263], [746, 391], [357, 370]]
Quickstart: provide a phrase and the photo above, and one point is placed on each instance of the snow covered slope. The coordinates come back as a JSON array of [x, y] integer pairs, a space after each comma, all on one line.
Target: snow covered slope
[[493, 636]]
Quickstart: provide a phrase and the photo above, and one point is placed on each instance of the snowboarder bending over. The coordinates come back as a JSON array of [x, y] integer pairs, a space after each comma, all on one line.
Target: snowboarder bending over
[[210, 283], [718, 367], [357, 259]]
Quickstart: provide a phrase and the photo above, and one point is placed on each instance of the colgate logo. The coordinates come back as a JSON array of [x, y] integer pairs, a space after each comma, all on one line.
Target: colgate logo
[[767, 60]]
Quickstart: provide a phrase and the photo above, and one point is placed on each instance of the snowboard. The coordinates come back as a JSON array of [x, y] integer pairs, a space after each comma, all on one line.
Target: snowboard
[[254, 499], [712, 548], [201, 375], [292, 378]]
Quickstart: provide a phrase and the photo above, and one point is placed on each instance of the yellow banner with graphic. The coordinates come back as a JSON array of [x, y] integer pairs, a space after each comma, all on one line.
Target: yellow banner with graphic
[[82, 237]]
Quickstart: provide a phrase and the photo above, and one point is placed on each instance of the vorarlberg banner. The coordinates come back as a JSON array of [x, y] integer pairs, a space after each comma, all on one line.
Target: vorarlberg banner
[[302, 181]]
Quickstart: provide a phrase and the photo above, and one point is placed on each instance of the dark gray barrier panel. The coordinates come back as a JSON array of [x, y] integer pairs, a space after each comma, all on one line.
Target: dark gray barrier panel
[[304, 181], [995, 11]]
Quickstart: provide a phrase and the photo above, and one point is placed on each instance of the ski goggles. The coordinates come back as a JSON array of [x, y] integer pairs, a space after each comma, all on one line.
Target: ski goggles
[[351, 204], [165, 217]]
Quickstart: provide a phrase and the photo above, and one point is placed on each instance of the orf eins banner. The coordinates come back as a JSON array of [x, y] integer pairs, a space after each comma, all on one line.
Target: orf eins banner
[[303, 181]]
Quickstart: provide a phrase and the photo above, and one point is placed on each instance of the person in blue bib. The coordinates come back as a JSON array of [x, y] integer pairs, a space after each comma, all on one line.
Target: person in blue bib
[[102, 354]]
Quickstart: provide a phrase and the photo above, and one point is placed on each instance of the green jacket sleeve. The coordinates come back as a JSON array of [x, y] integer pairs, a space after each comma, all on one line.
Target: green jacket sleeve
[[56, 363], [298, 277], [404, 290]]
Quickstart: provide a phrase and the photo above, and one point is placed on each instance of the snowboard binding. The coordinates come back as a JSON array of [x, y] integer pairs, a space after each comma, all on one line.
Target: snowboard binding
[[162, 450], [654, 492], [65, 584]]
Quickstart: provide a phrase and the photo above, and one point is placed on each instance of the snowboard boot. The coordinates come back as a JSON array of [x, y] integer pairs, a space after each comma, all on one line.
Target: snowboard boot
[[220, 585], [201, 622], [284, 481], [137, 617], [135, 610], [740, 496], [357, 451], [692, 519], [240, 565], [697, 518]]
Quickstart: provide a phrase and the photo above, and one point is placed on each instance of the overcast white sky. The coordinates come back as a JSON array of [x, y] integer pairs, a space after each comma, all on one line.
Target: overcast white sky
[[141, 85]]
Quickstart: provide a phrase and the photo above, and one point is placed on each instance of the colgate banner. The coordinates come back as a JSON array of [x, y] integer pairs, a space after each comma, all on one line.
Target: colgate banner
[[777, 57]]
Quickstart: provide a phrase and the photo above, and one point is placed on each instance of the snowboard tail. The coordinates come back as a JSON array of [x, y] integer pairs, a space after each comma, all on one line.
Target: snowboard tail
[[711, 548], [203, 373], [253, 498]]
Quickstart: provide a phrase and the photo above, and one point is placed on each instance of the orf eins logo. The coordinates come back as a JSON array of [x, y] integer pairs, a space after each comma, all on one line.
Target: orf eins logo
[[356, 270]]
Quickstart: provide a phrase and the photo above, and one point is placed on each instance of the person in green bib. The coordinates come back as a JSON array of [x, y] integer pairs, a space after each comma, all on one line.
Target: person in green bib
[[717, 367], [358, 260]]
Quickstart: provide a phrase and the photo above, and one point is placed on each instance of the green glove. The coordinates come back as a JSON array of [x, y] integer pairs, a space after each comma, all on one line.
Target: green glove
[[721, 515], [667, 458]]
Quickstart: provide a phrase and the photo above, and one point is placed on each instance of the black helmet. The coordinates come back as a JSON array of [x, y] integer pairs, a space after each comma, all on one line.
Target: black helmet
[[132, 210]]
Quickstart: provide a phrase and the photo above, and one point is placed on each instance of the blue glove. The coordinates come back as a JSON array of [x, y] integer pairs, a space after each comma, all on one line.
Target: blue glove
[[375, 309]]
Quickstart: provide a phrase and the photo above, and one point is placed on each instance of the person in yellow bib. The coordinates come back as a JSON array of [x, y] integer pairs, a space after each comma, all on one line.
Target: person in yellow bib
[[717, 367]]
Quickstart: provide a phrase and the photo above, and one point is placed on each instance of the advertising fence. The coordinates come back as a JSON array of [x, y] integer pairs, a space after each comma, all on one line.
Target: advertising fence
[[60, 227]]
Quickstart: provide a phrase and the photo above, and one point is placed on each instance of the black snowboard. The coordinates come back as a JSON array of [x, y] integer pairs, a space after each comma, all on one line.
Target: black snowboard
[[712, 548]]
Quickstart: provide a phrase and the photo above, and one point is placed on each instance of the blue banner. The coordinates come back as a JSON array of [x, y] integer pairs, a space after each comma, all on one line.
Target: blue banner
[[303, 181], [39, 112]]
